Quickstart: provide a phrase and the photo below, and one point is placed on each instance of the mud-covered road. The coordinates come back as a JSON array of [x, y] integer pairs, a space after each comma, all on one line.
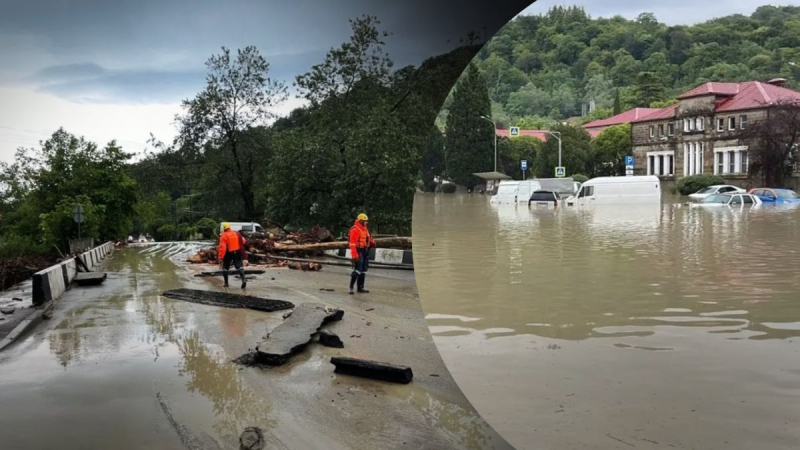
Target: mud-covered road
[[119, 366]]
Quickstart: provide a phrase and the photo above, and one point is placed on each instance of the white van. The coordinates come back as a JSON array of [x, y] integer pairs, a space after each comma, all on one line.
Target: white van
[[513, 192], [243, 226], [618, 190]]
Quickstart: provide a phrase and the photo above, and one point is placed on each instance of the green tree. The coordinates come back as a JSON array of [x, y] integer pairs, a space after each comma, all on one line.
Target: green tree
[[469, 138], [648, 89], [433, 159], [510, 151], [576, 153], [609, 150], [617, 103], [238, 96]]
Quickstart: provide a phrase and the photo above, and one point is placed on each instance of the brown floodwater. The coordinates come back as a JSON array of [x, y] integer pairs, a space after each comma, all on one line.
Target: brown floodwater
[[623, 327]]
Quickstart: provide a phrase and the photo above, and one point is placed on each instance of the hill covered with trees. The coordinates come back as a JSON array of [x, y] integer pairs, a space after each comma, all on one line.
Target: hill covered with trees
[[545, 67]]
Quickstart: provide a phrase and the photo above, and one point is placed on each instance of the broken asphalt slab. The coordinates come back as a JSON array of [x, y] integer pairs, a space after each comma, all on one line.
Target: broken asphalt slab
[[292, 336], [90, 278], [330, 339], [228, 300], [372, 369]]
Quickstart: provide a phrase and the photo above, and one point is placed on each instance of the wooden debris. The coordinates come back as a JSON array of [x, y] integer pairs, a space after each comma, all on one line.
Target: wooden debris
[[372, 369], [305, 266]]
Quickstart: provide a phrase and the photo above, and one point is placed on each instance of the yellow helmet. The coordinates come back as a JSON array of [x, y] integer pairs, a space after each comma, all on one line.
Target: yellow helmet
[[361, 217], [226, 226]]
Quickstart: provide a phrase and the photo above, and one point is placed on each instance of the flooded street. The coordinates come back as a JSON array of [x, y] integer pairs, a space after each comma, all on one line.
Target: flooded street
[[120, 366], [660, 327]]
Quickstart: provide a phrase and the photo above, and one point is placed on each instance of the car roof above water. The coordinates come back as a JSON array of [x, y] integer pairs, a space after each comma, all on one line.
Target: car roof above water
[[633, 179]]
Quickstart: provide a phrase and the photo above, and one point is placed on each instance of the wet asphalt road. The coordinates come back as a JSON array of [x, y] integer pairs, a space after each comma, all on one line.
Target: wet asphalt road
[[120, 366]]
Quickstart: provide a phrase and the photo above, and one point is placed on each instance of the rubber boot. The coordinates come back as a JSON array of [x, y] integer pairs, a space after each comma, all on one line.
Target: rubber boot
[[353, 278], [244, 281], [361, 279], [225, 278]]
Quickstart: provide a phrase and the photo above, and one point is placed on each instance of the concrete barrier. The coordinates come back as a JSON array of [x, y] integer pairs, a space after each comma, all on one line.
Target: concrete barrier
[[50, 283], [380, 255]]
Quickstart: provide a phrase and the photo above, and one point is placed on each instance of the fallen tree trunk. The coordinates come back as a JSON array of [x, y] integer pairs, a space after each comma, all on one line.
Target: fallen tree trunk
[[403, 243]]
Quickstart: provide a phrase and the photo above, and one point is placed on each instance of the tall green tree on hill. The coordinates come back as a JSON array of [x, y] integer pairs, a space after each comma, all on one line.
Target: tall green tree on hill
[[469, 138], [238, 96], [648, 89]]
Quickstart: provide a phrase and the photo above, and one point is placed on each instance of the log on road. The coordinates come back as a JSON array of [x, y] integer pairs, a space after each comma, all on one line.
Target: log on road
[[228, 300], [403, 243], [372, 369]]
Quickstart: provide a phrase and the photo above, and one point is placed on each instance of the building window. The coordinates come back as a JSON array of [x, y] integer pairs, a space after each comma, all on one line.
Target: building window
[[693, 158], [699, 123], [660, 130], [743, 122], [652, 131], [720, 124], [731, 123], [685, 125], [745, 163], [671, 129], [731, 162], [671, 158], [720, 164], [660, 163], [651, 166]]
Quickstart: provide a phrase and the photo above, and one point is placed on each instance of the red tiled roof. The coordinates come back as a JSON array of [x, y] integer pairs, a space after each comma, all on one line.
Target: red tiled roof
[[712, 88], [736, 97], [659, 114], [622, 118], [755, 94], [540, 134]]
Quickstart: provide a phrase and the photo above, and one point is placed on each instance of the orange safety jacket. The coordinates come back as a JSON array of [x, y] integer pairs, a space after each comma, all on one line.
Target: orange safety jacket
[[360, 238], [230, 241]]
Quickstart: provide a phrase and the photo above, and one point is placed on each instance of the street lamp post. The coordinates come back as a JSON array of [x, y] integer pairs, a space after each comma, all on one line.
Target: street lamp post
[[557, 135], [494, 130]]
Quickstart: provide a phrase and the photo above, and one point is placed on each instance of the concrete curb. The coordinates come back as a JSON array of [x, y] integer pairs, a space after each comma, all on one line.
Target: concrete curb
[[25, 325], [50, 283]]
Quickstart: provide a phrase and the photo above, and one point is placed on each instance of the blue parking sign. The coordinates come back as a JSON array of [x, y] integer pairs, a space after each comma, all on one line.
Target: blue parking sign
[[629, 160]]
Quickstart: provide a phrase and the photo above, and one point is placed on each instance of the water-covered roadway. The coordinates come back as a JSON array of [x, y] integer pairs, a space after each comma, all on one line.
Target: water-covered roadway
[[119, 366], [618, 327]]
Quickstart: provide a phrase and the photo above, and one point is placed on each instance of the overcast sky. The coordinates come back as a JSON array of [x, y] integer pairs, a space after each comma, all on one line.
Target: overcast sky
[[672, 12], [120, 69]]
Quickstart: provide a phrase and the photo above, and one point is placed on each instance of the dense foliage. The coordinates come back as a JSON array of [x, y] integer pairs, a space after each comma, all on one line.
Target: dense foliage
[[693, 183], [548, 66]]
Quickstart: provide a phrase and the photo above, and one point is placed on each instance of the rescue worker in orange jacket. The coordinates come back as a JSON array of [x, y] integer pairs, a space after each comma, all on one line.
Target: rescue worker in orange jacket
[[360, 243], [230, 250]]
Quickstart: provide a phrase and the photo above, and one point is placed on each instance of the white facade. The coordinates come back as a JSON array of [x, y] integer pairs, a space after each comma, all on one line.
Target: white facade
[[731, 160]]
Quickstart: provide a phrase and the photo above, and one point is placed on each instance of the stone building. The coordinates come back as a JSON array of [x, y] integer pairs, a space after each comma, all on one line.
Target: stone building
[[596, 127], [699, 133]]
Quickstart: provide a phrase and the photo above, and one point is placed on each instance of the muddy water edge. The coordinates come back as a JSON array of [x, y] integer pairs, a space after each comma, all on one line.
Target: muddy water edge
[[120, 366], [662, 327]]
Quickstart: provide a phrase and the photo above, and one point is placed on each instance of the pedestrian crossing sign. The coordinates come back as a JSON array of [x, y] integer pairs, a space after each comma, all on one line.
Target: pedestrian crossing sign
[[513, 131], [561, 172]]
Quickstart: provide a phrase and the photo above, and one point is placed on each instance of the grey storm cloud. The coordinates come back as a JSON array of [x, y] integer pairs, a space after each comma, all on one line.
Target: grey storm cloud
[[152, 50]]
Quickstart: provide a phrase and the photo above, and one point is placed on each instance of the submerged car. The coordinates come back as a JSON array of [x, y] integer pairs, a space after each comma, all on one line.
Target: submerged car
[[737, 199], [715, 189], [769, 195], [544, 199]]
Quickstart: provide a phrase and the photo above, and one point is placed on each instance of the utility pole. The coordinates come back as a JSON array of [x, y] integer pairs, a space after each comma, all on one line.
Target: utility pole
[[494, 130], [557, 135]]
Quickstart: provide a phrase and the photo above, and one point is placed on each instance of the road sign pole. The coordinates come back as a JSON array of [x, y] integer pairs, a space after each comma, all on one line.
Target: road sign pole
[[559, 151]]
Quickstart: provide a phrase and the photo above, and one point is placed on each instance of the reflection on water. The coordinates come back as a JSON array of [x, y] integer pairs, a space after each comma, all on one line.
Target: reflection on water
[[566, 273], [666, 280]]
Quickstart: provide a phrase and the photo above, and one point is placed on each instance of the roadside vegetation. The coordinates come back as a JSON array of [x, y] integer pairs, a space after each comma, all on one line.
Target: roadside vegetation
[[357, 146]]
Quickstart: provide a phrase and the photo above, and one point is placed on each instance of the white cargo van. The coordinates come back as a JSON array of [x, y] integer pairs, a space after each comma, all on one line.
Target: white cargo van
[[618, 190], [244, 226], [513, 192]]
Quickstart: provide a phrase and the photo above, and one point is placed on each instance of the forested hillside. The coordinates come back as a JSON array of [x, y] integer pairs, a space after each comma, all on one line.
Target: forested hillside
[[548, 66]]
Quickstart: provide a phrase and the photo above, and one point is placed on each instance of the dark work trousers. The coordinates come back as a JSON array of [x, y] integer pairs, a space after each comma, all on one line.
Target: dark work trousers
[[360, 269], [236, 259]]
